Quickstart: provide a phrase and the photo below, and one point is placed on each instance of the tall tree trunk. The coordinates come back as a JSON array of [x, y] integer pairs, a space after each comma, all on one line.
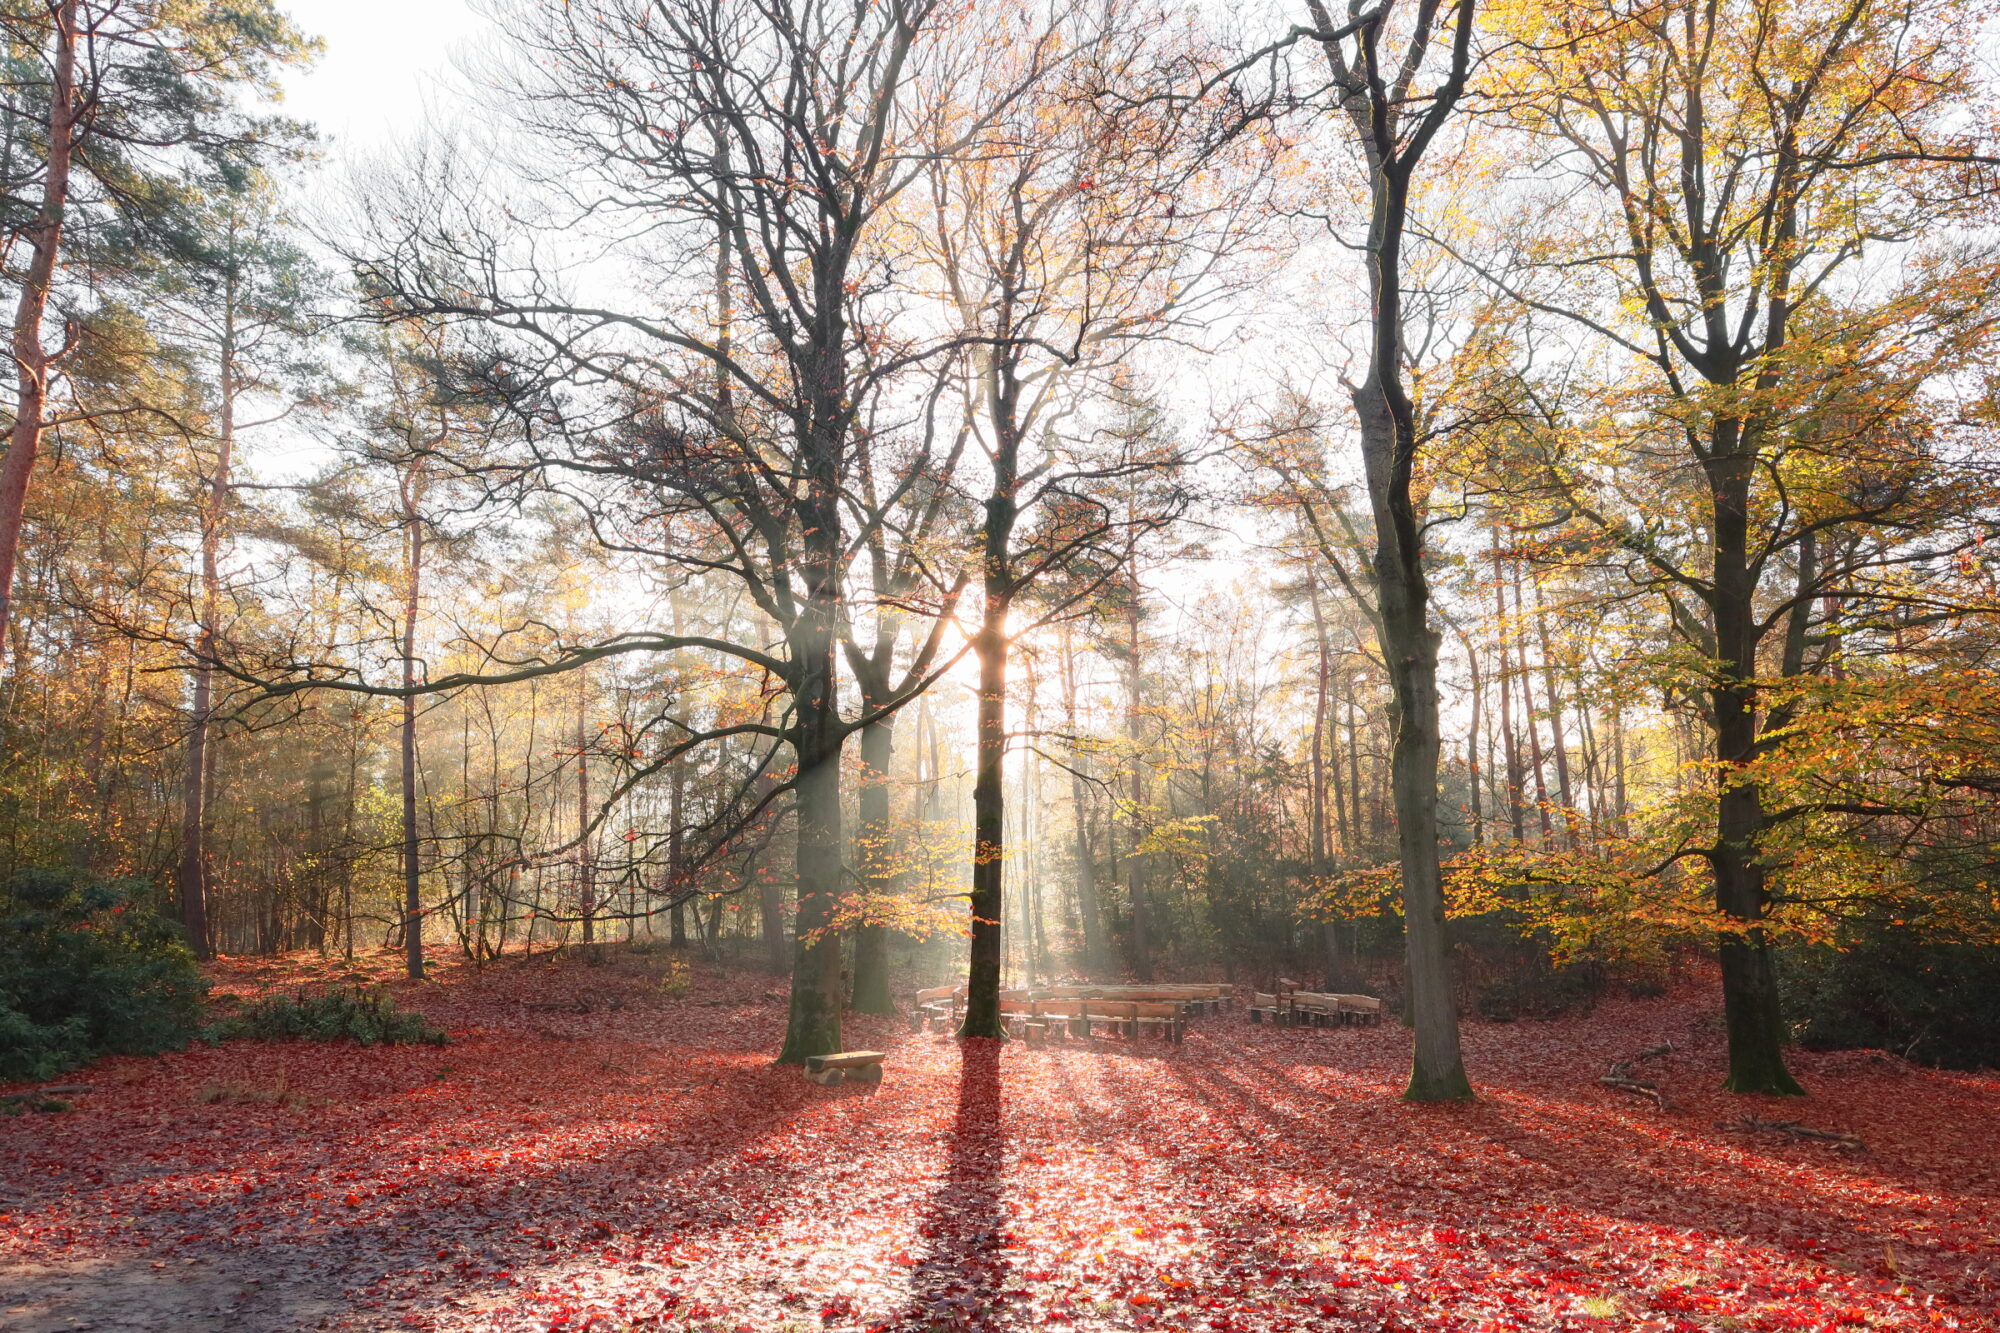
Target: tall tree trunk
[[1516, 815], [1088, 906], [1343, 830], [192, 876], [413, 903], [586, 869], [676, 857], [1565, 798], [1031, 838], [351, 799], [1136, 888], [31, 358], [1749, 980], [1322, 679], [1354, 761], [877, 864], [1474, 770], [1618, 767], [1536, 758], [770, 900], [1409, 645], [813, 1026], [989, 802]]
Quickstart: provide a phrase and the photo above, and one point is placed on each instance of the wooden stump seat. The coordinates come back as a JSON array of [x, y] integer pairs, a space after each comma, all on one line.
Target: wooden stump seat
[[861, 1066]]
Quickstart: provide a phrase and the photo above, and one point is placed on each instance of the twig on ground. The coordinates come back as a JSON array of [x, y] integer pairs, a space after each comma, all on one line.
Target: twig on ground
[[53, 1090], [1792, 1129], [1620, 1076]]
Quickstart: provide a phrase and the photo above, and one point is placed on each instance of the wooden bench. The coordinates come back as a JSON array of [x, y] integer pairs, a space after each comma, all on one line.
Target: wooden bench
[[1194, 997], [1167, 1017], [1328, 1007], [939, 1004], [861, 1066], [1264, 1008], [1036, 1012], [1311, 1009], [1201, 997], [1197, 997], [1359, 1008], [1315, 1008], [1018, 1015]]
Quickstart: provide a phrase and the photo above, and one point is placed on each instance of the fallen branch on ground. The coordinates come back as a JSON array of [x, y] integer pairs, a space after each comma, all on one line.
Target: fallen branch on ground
[[570, 1006], [1620, 1075], [53, 1090], [1750, 1124]]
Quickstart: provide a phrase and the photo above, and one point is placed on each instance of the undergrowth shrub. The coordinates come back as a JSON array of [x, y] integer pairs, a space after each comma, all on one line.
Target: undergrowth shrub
[[1894, 990], [678, 979], [1513, 973], [366, 1014], [1542, 991], [87, 970]]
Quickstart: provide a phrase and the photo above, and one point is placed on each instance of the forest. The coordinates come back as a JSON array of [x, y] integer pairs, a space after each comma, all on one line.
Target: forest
[[768, 532]]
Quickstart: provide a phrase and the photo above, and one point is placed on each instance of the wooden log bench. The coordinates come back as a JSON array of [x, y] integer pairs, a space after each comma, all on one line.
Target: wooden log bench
[[1196, 998], [1326, 1008], [1201, 997], [1359, 1008], [1314, 1008], [1019, 1016], [1057, 1016], [1167, 1017], [939, 1005], [861, 1066], [1043, 1011]]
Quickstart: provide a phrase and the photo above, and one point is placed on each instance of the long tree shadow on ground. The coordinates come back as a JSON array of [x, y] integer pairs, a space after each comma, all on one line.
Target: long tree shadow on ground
[[961, 1281]]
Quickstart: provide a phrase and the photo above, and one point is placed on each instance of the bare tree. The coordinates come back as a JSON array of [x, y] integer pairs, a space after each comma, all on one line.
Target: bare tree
[[742, 154], [1085, 218]]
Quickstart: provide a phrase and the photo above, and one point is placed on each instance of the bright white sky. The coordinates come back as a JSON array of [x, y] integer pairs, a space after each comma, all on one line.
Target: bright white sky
[[385, 65]]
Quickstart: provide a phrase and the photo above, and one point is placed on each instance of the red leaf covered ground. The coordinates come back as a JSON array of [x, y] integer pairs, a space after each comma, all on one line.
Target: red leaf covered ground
[[644, 1166]]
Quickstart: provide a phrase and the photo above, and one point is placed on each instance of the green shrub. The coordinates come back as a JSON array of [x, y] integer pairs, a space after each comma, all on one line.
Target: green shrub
[[364, 1013], [1538, 990], [86, 970], [31, 1050], [1892, 989]]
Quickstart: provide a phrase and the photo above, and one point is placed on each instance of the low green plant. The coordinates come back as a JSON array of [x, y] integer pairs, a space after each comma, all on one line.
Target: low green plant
[[678, 979], [365, 1014], [87, 970]]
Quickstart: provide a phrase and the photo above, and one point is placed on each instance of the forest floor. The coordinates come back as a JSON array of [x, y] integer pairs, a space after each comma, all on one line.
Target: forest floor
[[636, 1161]]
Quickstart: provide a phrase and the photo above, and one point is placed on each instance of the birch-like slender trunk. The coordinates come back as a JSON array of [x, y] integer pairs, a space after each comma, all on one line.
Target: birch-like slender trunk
[[413, 903], [191, 876], [1135, 865]]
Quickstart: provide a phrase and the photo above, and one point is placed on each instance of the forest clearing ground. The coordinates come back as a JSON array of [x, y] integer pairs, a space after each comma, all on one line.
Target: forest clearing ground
[[643, 1165]]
